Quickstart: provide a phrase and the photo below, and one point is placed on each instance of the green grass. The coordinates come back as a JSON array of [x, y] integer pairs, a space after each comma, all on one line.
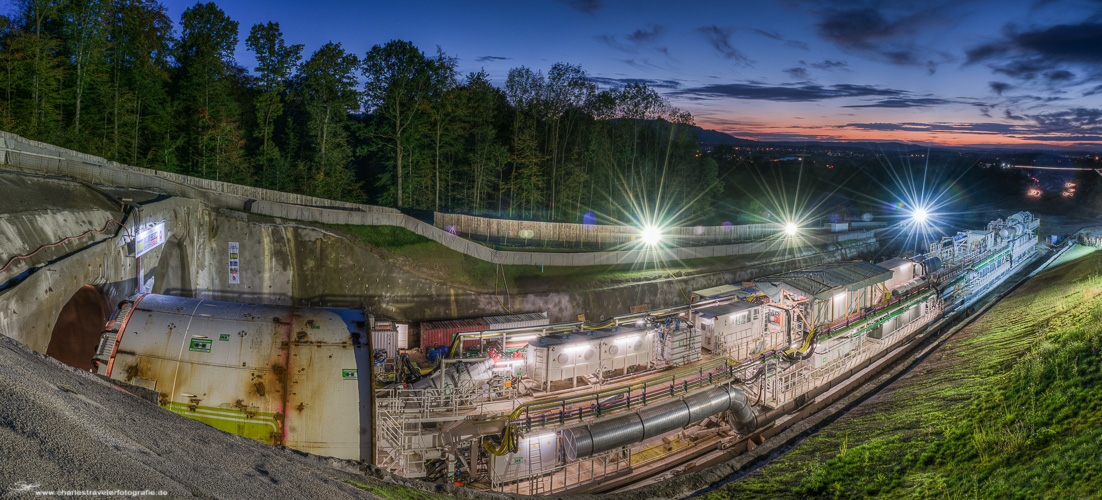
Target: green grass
[[1011, 407], [390, 237], [395, 492]]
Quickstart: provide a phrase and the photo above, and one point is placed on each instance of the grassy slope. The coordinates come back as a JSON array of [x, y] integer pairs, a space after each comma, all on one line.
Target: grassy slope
[[396, 492], [1010, 407], [432, 260]]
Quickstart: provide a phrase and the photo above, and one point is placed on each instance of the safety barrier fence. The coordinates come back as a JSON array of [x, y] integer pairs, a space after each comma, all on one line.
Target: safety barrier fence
[[523, 232], [564, 476]]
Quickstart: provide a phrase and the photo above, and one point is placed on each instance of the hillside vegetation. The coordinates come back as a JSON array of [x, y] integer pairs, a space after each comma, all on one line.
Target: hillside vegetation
[[431, 260], [1010, 407]]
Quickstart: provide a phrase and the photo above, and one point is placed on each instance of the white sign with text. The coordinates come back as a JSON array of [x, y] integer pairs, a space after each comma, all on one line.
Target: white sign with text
[[235, 265]]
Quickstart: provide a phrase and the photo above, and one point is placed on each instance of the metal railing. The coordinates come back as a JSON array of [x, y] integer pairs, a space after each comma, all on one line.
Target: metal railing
[[571, 475], [611, 401], [802, 378]]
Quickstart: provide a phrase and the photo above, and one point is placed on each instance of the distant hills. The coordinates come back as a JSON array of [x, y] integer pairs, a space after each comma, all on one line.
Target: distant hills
[[708, 137]]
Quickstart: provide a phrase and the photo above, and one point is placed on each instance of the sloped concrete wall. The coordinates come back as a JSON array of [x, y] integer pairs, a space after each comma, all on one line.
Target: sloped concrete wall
[[35, 212], [32, 156]]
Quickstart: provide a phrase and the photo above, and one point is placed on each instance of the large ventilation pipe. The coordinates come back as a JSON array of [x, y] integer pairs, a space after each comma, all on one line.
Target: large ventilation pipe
[[604, 435], [741, 414]]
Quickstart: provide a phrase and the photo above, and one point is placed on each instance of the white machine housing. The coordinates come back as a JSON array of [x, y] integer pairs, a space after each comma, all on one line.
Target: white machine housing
[[536, 454], [730, 329], [566, 356]]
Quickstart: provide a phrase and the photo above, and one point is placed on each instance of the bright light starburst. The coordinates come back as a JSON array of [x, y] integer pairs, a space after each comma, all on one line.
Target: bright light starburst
[[920, 215]]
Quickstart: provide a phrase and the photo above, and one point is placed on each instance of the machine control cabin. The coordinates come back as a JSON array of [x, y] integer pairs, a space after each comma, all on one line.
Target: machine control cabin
[[736, 329]]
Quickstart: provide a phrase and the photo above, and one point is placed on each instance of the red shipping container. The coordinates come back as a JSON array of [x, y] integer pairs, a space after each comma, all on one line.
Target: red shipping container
[[439, 333]]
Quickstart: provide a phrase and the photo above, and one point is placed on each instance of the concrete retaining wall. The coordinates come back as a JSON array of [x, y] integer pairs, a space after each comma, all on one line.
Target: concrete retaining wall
[[37, 212], [38, 157]]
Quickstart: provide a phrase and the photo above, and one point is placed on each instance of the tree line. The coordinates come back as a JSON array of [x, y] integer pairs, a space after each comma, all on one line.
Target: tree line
[[391, 125]]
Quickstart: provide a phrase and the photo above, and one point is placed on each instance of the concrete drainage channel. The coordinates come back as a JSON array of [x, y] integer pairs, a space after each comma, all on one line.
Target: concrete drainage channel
[[927, 342]]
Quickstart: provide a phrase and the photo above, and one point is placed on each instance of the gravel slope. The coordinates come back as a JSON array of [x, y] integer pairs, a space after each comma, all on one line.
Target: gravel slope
[[63, 429]]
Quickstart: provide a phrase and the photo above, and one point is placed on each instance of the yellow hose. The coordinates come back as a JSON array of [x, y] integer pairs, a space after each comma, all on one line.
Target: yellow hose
[[598, 327], [807, 343], [507, 444]]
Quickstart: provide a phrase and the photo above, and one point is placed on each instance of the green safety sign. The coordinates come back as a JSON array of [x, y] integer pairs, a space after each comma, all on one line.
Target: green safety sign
[[224, 337], [200, 345], [350, 374], [518, 460]]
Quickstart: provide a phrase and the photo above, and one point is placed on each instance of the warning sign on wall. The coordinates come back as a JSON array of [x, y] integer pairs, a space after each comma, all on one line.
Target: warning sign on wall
[[235, 265], [148, 239]]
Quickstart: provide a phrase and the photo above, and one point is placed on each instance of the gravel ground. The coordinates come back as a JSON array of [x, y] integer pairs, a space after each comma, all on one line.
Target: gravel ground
[[63, 429]]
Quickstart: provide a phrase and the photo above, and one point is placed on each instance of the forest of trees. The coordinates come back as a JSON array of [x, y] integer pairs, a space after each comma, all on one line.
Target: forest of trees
[[389, 124]]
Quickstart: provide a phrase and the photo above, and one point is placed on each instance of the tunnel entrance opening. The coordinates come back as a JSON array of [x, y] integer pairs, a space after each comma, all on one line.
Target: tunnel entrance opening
[[76, 332]]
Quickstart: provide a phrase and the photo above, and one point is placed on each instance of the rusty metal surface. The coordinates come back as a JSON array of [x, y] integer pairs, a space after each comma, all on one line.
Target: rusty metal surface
[[324, 412], [269, 373], [442, 333]]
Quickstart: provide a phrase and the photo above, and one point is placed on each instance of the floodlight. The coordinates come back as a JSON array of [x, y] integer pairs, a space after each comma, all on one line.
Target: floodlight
[[920, 215], [791, 229], [651, 235]]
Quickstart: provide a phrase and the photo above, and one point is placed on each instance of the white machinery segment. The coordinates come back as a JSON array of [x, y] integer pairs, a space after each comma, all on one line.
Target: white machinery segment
[[625, 347], [536, 455], [731, 329], [247, 369], [566, 356]]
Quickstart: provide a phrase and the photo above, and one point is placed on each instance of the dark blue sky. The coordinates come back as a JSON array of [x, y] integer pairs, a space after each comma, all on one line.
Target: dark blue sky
[[952, 72]]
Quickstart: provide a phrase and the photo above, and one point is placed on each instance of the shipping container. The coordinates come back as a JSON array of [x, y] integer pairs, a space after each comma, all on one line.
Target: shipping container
[[442, 333]]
